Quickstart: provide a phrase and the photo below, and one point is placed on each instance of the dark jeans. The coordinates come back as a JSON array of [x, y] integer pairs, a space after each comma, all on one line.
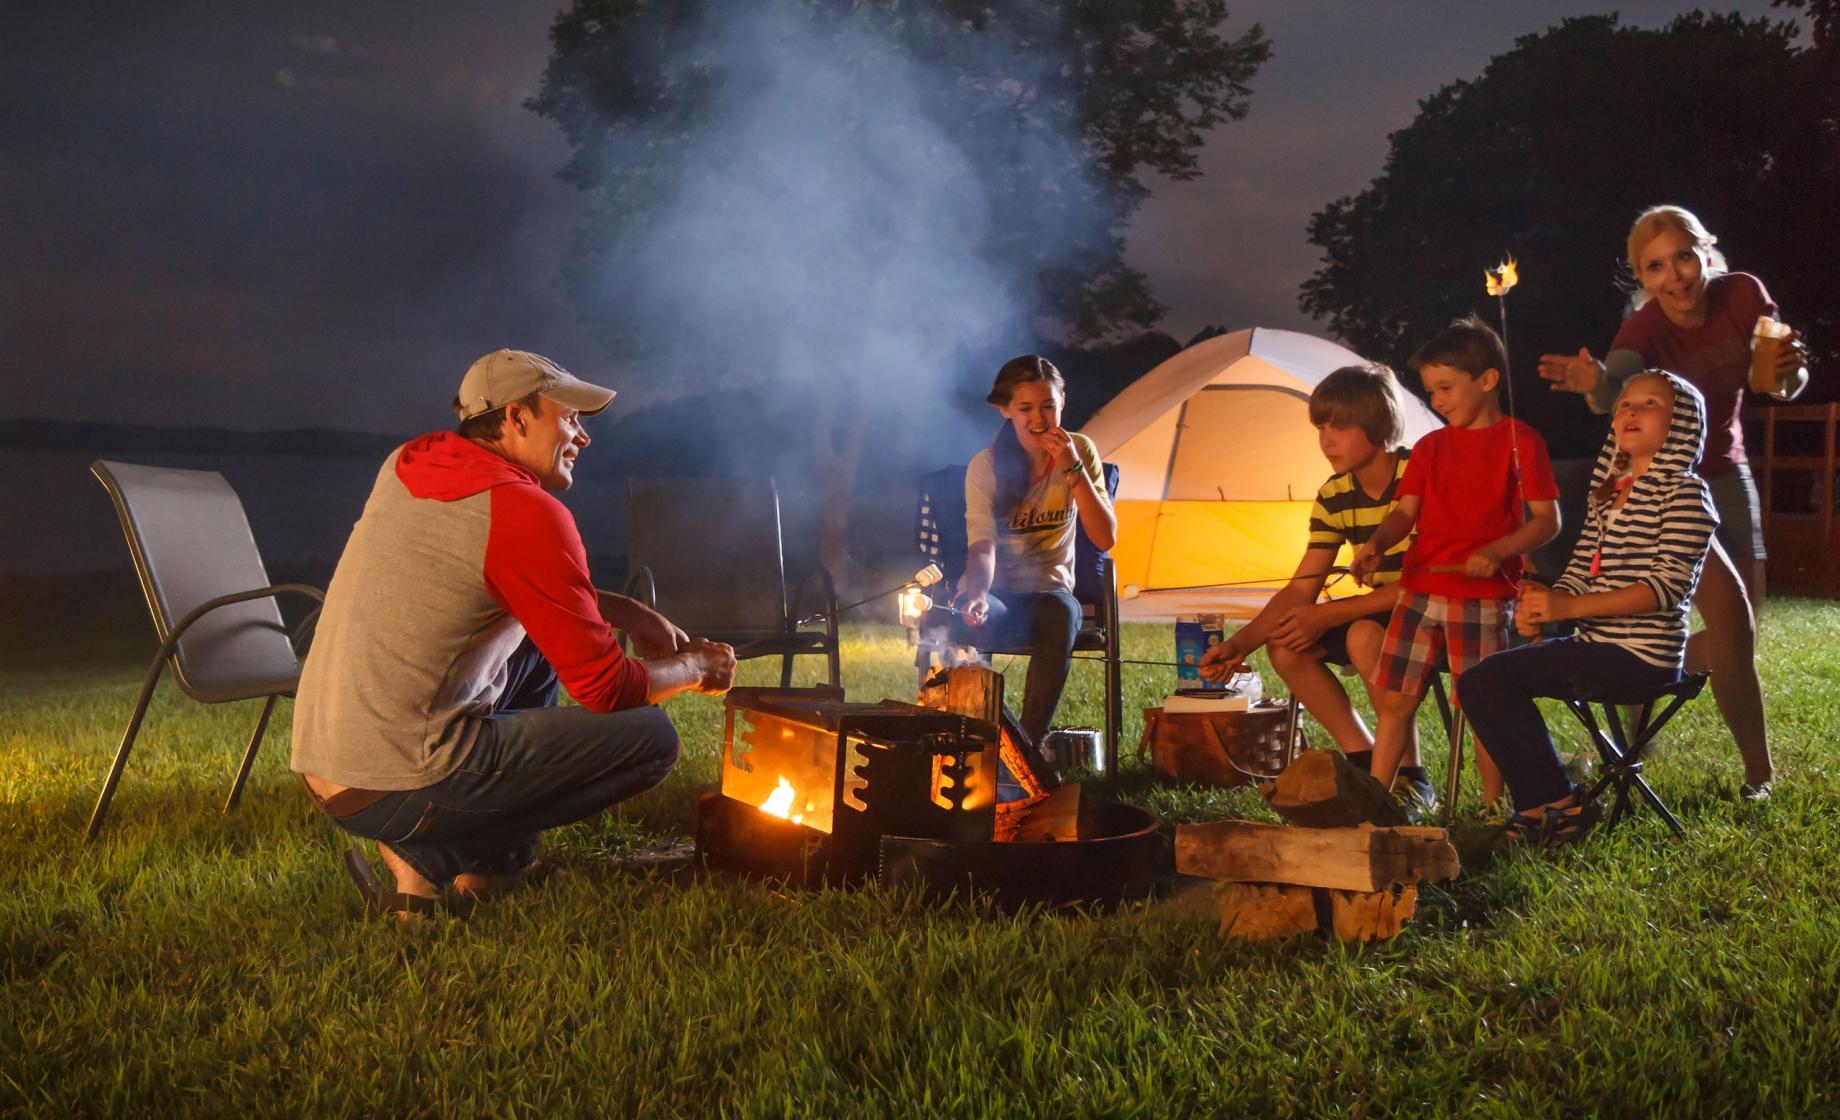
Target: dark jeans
[[1044, 622], [534, 766], [1497, 695]]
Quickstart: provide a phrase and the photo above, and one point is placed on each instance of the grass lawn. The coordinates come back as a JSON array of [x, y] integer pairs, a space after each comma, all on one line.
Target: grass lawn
[[191, 963]]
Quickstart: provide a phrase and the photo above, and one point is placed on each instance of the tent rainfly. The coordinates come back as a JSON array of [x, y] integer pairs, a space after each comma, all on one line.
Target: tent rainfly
[[1218, 465]]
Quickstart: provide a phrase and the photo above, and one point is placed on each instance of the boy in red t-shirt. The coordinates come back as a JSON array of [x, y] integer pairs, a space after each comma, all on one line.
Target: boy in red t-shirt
[[1463, 490]]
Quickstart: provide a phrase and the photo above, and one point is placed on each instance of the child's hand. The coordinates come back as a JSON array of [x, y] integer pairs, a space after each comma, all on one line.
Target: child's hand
[[1298, 629], [1364, 564], [1539, 603], [1482, 563], [1221, 661], [973, 607]]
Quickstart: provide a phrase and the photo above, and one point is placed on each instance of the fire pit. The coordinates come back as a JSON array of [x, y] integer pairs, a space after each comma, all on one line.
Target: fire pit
[[819, 790]]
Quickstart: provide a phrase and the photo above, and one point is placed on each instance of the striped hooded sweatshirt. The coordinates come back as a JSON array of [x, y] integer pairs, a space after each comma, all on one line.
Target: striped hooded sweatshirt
[[458, 554], [1658, 539]]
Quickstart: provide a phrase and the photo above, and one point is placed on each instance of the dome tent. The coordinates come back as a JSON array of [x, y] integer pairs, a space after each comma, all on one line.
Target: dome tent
[[1218, 465]]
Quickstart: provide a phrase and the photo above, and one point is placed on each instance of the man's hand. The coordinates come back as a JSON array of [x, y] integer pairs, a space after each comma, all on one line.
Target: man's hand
[[1298, 629], [1222, 661], [1572, 373], [714, 662], [1482, 563]]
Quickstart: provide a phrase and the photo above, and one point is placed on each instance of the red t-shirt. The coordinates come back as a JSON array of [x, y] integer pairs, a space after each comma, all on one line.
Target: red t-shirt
[[1464, 480], [1715, 356]]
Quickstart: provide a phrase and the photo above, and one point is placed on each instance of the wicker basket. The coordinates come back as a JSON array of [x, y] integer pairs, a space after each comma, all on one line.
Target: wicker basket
[[1219, 748]]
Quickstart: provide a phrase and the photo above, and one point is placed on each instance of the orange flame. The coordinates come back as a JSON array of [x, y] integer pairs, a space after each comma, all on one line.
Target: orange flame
[[779, 802], [1501, 278]]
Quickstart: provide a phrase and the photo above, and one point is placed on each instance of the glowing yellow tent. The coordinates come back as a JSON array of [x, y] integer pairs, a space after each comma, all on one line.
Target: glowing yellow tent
[[1218, 465]]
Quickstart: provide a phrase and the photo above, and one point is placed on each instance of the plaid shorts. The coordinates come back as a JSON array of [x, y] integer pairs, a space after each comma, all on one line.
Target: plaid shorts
[[1426, 630]]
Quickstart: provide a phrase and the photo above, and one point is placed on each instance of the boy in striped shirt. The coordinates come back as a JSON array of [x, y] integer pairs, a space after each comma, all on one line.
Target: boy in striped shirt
[[1357, 418], [1464, 493]]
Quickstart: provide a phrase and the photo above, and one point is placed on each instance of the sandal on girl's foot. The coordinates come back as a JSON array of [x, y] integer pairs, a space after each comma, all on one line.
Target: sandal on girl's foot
[[1523, 830], [1570, 823]]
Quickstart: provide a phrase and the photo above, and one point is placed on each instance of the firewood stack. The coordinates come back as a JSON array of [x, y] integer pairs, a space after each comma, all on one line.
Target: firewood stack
[[1344, 863]]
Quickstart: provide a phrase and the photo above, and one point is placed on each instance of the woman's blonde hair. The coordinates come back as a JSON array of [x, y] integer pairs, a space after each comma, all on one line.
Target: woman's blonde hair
[[1657, 220]]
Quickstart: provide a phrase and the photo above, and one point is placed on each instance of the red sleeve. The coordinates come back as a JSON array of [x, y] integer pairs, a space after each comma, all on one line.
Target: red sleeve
[[537, 569], [1418, 467], [1536, 467]]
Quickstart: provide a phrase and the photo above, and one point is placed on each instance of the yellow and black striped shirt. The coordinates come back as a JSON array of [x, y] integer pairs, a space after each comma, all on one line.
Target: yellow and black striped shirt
[[1343, 513]]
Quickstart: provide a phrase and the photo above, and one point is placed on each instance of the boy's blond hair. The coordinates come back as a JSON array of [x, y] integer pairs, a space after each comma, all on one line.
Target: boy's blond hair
[[1364, 396]]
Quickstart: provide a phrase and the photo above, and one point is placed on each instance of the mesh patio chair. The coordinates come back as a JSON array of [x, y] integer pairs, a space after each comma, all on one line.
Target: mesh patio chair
[[213, 607], [939, 526], [706, 553]]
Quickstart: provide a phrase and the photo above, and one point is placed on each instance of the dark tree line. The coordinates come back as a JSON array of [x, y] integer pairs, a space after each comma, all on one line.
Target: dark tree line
[[1552, 151]]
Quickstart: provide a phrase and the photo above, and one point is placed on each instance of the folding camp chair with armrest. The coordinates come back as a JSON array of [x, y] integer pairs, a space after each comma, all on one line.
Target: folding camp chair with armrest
[[939, 526], [706, 553], [212, 605]]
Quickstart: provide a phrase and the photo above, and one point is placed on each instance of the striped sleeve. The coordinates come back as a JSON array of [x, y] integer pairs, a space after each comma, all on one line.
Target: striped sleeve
[[1687, 524]]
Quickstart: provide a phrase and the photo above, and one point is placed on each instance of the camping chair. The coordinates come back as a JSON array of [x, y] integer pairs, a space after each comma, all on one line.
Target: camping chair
[[212, 605], [705, 552], [1622, 750], [939, 526]]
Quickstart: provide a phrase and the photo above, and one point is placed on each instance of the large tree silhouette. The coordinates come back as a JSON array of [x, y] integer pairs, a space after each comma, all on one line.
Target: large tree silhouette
[[1549, 155]]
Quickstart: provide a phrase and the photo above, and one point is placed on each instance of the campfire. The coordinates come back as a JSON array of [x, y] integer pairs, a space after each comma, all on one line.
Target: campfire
[[947, 792]]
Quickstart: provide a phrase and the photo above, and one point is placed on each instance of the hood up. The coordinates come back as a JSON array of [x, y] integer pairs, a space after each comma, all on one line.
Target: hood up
[[446, 466], [1680, 451]]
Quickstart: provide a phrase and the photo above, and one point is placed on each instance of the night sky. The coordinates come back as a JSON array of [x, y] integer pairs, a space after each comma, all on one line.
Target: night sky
[[277, 216]]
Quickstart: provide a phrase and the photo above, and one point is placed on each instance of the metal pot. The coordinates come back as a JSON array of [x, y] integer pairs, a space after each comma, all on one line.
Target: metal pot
[[1069, 748]]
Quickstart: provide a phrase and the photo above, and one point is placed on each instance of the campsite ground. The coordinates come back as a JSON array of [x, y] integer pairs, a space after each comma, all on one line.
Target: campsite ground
[[190, 963]]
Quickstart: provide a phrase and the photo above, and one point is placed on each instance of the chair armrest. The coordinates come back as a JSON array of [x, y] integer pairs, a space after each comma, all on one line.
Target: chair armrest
[[171, 640], [641, 586], [827, 588]]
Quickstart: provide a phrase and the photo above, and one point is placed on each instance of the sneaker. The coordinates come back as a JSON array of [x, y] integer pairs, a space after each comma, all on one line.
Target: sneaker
[[1497, 812], [1754, 793], [1416, 797]]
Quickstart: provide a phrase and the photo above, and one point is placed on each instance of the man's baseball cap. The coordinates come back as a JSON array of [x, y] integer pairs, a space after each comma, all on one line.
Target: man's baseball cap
[[503, 376]]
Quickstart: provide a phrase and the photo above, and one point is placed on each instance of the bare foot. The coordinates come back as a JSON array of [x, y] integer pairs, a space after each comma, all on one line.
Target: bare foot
[[408, 879]]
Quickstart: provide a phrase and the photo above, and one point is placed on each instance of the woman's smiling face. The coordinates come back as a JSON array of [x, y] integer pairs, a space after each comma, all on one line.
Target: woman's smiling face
[[1673, 273], [1033, 408]]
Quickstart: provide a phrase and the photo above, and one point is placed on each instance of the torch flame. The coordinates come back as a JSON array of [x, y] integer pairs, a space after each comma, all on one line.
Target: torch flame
[[779, 802], [1501, 278]]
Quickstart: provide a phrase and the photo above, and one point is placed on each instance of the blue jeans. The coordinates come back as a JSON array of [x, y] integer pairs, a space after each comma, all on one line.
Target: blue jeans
[[1043, 622], [1497, 695], [533, 766]]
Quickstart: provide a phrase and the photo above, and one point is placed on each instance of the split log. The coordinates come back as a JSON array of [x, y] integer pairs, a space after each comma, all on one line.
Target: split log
[[1370, 915], [1349, 859], [1265, 911], [1321, 789]]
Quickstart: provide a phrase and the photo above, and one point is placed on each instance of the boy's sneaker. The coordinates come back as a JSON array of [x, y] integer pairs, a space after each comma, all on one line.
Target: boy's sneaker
[[1416, 796], [1497, 812]]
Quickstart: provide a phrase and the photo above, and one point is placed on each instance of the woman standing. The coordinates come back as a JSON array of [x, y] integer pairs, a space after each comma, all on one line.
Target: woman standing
[[1694, 317], [1023, 496]]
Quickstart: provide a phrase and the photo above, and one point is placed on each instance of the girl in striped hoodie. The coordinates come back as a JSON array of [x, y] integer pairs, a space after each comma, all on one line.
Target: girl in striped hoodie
[[1627, 589]]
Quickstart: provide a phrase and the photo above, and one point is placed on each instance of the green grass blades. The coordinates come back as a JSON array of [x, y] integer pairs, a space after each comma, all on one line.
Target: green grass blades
[[191, 963]]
